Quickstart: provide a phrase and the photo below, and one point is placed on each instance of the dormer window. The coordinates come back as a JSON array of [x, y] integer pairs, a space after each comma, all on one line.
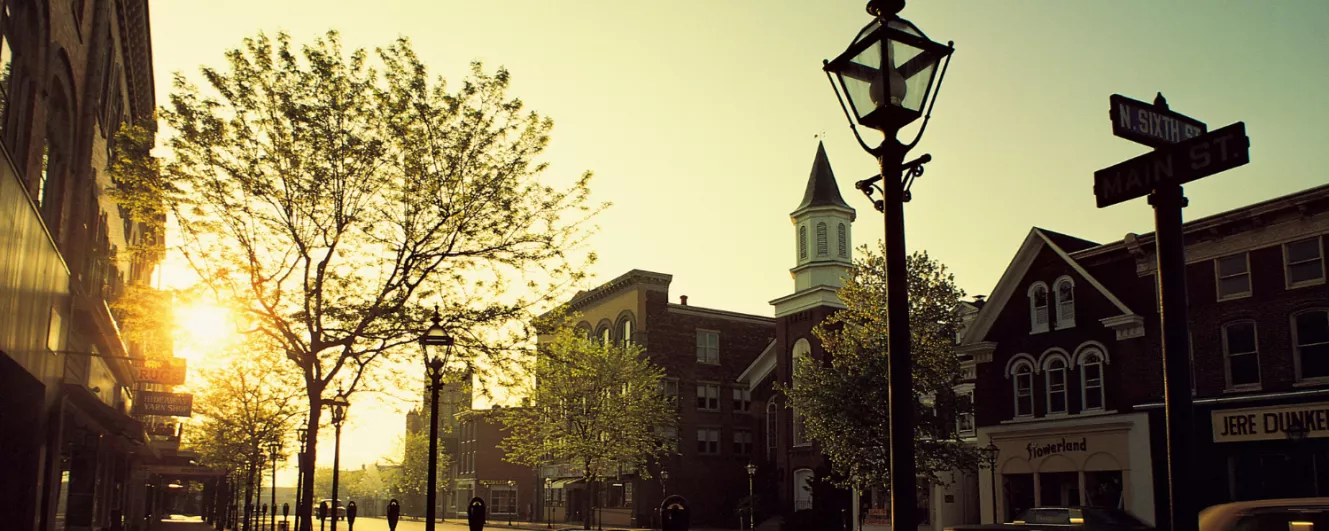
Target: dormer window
[[1038, 308], [823, 247], [1065, 302]]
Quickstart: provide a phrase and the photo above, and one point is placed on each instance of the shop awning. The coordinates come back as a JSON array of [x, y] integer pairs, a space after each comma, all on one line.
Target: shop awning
[[560, 483], [111, 420]]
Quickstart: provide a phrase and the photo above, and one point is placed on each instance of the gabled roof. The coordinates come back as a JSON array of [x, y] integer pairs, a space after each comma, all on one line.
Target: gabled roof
[[761, 367], [822, 189], [1013, 279]]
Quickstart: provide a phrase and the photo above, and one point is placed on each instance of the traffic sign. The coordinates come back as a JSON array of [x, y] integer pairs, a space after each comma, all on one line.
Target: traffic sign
[[1151, 125], [1179, 163]]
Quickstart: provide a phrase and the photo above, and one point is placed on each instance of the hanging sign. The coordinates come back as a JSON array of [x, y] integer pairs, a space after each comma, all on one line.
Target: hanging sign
[[166, 404], [166, 371]]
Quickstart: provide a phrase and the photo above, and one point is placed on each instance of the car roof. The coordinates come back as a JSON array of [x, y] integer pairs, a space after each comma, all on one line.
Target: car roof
[[1218, 514]]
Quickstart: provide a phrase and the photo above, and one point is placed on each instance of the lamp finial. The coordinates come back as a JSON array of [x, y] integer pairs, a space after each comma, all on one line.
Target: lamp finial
[[881, 8]]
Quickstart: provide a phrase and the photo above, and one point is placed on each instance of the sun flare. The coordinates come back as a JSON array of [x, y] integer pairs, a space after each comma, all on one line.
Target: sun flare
[[203, 325]]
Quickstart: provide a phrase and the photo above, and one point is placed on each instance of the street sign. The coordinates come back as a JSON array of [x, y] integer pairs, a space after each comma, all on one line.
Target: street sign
[[1180, 163], [167, 371], [159, 403], [1149, 124]]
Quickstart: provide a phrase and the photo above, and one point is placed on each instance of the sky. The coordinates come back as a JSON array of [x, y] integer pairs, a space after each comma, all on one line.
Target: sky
[[700, 118]]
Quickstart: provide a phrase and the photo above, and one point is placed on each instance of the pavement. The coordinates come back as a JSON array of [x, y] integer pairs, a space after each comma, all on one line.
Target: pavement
[[194, 523]]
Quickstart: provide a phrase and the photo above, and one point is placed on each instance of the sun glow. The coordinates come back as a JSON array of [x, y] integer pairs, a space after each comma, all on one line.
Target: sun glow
[[202, 328]]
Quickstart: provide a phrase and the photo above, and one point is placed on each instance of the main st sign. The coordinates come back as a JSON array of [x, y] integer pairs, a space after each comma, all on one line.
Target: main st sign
[[1179, 163]]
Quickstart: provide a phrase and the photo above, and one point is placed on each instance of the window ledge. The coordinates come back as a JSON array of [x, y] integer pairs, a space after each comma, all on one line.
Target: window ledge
[[1307, 283], [1239, 296], [1037, 331], [1311, 382], [1064, 326], [1244, 388]]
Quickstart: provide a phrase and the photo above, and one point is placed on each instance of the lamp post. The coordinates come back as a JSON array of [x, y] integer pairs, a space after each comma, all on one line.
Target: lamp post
[[339, 405], [301, 435], [887, 74], [433, 339], [988, 456], [752, 471], [549, 503], [274, 448]]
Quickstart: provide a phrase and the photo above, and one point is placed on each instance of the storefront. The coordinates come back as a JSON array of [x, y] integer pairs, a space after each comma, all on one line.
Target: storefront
[[1277, 450], [1099, 460]]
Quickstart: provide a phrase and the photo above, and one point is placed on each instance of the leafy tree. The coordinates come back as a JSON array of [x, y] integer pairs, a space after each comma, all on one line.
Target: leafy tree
[[597, 407], [842, 401], [411, 481], [331, 200]]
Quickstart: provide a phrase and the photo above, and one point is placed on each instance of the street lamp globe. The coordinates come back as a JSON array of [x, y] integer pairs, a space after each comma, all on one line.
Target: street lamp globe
[[752, 470], [432, 339], [989, 454], [339, 406], [302, 432], [274, 447], [888, 71]]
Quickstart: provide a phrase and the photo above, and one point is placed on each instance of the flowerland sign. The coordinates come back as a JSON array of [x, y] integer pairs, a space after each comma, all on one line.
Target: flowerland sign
[[1037, 450]]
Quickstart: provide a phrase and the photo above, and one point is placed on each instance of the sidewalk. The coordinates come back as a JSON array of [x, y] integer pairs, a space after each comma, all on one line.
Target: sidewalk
[[182, 523]]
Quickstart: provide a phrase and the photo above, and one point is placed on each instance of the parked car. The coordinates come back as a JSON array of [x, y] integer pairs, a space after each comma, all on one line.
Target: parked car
[[1286, 514], [341, 509], [1065, 518]]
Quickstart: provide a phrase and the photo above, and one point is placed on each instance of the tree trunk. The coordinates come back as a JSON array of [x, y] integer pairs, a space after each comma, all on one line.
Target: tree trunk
[[587, 480], [306, 505], [249, 495]]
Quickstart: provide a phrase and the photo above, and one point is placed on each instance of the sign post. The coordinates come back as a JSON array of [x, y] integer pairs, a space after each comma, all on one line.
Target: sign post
[[1184, 153]]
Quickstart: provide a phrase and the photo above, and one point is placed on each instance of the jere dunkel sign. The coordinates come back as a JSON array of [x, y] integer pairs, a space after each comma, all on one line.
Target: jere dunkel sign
[[1270, 423], [166, 404]]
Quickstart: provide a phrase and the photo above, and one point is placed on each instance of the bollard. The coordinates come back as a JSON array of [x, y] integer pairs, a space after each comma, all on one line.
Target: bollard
[[475, 514], [674, 514], [394, 512], [350, 516]]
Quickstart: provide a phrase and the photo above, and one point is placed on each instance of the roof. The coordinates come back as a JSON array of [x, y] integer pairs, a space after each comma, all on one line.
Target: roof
[[822, 189], [1067, 242], [760, 368]]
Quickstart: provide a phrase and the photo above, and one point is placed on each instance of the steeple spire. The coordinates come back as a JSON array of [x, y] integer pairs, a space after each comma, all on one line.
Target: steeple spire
[[822, 189]]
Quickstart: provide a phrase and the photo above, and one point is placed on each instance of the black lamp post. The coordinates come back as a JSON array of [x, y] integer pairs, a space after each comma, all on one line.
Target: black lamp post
[[887, 75], [339, 405], [752, 471], [274, 448], [433, 339], [549, 503], [301, 435], [987, 455]]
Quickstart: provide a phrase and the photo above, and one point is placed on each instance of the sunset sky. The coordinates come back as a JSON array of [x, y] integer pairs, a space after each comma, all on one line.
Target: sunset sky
[[700, 118]]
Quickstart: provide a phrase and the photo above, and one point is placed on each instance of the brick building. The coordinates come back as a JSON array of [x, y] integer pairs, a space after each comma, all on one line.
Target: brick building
[[72, 456], [702, 351], [1069, 370], [478, 469]]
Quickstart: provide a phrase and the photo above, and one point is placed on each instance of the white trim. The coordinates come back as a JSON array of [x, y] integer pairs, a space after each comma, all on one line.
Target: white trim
[[1034, 326], [1296, 350], [1287, 277], [1010, 363], [1218, 278], [1062, 320], [1050, 354], [1015, 387], [1227, 356], [1091, 344], [1056, 354], [761, 367], [1102, 378]]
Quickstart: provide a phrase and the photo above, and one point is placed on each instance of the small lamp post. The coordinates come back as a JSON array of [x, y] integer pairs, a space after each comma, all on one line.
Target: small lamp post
[[752, 471], [301, 435], [433, 339], [339, 406], [274, 448], [987, 456], [887, 75], [549, 503]]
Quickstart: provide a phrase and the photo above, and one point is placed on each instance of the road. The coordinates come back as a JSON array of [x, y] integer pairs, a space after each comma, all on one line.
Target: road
[[380, 524]]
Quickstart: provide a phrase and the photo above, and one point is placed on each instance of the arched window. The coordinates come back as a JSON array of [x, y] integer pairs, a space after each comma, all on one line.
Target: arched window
[[802, 489], [843, 234], [823, 247], [1023, 382], [772, 427], [1065, 302], [1241, 354], [1038, 308], [1310, 340], [1091, 379], [802, 242], [802, 349], [1054, 372], [626, 330]]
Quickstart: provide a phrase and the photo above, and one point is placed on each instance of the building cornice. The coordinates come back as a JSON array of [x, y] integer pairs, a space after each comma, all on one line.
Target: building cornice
[[698, 311]]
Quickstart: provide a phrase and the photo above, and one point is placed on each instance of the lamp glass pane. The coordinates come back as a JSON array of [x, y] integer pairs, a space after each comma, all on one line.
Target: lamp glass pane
[[910, 69], [861, 78]]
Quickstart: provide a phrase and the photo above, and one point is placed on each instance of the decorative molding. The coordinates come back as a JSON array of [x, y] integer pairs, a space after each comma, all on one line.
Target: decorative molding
[[981, 351], [1127, 326], [699, 311]]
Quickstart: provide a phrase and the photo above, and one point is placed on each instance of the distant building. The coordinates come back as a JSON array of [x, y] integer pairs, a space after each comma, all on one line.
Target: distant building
[[454, 397], [479, 470], [702, 351]]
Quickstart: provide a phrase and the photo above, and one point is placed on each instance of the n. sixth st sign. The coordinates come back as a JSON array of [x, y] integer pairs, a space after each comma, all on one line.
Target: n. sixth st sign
[[1179, 163]]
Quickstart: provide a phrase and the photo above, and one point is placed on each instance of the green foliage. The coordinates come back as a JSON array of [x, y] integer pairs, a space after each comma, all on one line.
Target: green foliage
[[595, 407], [140, 187], [146, 320], [412, 479], [843, 404], [241, 408]]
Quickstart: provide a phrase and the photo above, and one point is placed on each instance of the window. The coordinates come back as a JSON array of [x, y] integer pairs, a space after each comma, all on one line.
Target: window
[[1091, 379], [503, 501], [772, 427], [1038, 308], [822, 246], [605, 336], [708, 441], [742, 399], [1055, 373], [627, 332], [964, 417], [708, 396], [1305, 262], [843, 234], [668, 437], [1240, 353], [1234, 276], [708, 347], [1310, 339], [802, 349], [1024, 389], [669, 388], [1065, 302], [802, 489], [742, 442], [802, 242]]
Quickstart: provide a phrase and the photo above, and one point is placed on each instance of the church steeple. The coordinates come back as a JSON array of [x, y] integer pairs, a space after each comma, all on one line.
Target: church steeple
[[823, 244]]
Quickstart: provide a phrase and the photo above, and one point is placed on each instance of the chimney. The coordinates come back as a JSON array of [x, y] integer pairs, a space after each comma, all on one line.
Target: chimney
[[979, 298], [683, 299]]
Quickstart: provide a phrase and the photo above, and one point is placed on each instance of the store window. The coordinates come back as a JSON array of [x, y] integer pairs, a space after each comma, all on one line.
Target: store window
[[1103, 489], [1017, 494]]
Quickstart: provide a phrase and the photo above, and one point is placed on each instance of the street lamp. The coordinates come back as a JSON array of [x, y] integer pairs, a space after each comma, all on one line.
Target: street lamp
[[752, 471], [274, 448], [434, 338], [339, 406], [301, 435], [549, 503], [887, 75], [988, 456]]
